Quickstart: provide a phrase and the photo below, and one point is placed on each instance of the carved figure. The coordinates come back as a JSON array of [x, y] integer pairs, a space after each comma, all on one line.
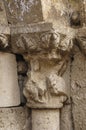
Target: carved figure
[[33, 92], [56, 85]]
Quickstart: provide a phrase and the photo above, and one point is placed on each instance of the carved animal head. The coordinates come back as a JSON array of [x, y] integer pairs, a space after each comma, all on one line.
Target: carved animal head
[[33, 93]]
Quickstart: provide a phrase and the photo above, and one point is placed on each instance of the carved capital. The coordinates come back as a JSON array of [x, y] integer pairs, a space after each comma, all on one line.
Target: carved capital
[[47, 51], [47, 45], [45, 88]]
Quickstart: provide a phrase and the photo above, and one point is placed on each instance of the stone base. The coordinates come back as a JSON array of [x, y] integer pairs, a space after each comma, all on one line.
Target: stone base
[[45, 119], [14, 119]]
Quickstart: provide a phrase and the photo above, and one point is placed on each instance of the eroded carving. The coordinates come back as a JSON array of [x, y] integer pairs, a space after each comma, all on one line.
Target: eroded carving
[[45, 88], [56, 85], [48, 53], [46, 42], [3, 40], [47, 93], [81, 39]]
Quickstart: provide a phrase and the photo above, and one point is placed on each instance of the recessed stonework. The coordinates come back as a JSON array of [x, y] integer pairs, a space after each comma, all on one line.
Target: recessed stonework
[[9, 89]]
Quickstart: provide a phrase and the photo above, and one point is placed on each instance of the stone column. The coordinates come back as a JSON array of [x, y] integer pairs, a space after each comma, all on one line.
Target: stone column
[[9, 89], [45, 89], [45, 92], [11, 117], [45, 119]]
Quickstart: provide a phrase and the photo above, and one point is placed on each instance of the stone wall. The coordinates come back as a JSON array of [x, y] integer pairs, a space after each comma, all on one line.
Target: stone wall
[[42, 65]]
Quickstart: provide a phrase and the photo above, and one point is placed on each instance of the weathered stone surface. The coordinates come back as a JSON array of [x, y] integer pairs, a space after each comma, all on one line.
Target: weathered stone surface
[[9, 89], [31, 28], [44, 95], [45, 88], [66, 112], [39, 46], [4, 29], [3, 17], [3, 41], [45, 119], [81, 39], [66, 118], [26, 38], [17, 118], [23, 11], [78, 90], [66, 77], [47, 47], [63, 13]]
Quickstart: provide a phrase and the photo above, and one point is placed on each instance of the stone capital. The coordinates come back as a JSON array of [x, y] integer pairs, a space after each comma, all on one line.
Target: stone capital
[[47, 52]]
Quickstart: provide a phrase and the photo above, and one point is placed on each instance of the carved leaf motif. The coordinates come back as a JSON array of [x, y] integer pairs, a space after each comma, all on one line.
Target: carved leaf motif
[[50, 40], [29, 43], [26, 43], [48, 44]]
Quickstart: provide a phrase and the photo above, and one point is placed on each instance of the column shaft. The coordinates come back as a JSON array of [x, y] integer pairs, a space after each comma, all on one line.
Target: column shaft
[[45, 119], [9, 89]]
